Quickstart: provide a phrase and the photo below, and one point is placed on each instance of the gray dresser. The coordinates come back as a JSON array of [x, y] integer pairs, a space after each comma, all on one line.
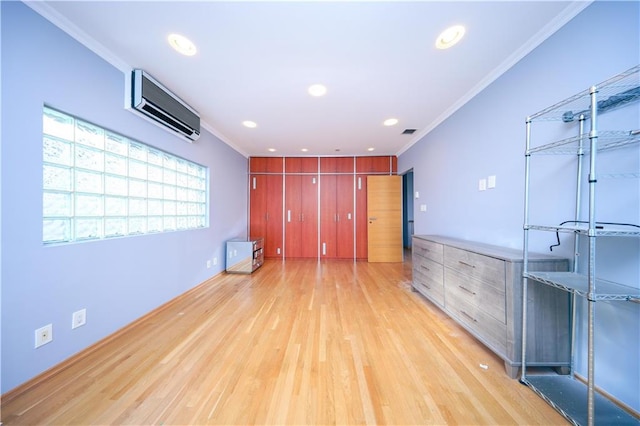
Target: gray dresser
[[480, 287]]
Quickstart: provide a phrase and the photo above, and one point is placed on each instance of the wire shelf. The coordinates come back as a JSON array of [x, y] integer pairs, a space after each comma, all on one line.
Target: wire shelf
[[607, 140], [619, 175], [605, 231], [614, 92], [568, 396], [579, 284]]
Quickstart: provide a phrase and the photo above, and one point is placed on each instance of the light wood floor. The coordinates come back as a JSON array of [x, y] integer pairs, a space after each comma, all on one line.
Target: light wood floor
[[299, 342]]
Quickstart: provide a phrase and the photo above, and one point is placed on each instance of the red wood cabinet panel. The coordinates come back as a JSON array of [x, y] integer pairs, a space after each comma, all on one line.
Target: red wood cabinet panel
[[296, 230], [301, 165], [257, 206], [336, 164], [336, 217], [292, 223], [361, 218], [346, 218], [265, 213], [309, 233], [328, 213], [274, 240], [301, 216], [375, 164], [266, 164]]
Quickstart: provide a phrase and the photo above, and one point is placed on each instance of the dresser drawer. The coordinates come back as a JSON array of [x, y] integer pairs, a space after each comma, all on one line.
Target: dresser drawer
[[428, 249], [475, 293], [485, 268], [428, 279], [483, 325]]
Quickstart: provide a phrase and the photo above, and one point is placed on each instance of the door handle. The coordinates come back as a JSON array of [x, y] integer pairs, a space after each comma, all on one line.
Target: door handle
[[373, 218]]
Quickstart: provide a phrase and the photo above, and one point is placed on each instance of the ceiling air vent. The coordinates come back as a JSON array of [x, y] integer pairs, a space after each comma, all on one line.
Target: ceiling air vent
[[409, 131]]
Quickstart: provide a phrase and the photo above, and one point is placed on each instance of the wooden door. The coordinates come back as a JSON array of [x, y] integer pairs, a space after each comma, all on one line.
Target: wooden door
[[257, 206], [265, 212], [361, 217], [273, 245], [293, 203], [384, 211], [309, 217], [345, 217], [328, 216], [301, 216], [336, 217]]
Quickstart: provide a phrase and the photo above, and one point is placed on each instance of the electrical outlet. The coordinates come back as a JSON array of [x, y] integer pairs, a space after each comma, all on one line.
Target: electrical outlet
[[491, 182], [482, 185], [44, 335], [79, 318], [215, 260], [208, 264]]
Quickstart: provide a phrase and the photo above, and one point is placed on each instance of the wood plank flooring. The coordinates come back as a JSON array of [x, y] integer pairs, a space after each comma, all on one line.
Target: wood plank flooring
[[297, 342]]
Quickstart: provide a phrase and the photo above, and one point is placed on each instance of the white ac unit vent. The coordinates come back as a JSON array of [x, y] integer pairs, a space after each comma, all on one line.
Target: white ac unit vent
[[152, 99]]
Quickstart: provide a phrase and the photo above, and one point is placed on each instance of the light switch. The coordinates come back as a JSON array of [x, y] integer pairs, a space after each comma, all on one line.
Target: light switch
[[491, 182], [417, 194], [482, 185]]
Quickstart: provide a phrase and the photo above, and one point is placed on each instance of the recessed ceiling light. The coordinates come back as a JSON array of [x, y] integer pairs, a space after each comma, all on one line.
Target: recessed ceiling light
[[450, 37], [317, 90], [304, 150], [182, 44], [390, 122], [371, 149], [249, 124], [271, 150]]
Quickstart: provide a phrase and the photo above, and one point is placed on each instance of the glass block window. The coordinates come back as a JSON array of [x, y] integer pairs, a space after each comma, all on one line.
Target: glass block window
[[98, 184]]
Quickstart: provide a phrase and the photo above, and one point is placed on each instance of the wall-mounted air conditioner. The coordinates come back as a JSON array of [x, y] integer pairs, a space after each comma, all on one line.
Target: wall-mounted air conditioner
[[156, 102]]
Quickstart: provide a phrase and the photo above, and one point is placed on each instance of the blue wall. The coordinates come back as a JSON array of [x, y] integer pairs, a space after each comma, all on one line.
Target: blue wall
[[487, 137], [117, 280]]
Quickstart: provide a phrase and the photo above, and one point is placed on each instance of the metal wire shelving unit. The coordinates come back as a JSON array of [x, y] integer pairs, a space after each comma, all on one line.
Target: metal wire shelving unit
[[576, 401]]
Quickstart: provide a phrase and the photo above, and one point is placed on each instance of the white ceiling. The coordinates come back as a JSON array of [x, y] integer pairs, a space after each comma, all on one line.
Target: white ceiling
[[255, 61]]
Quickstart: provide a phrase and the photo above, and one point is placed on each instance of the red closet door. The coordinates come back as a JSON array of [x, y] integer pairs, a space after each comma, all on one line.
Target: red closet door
[[274, 241], [345, 217], [309, 218], [361, 218], [328, 216], [301, 216], [265, 212], [292, 212], [257, 206]]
